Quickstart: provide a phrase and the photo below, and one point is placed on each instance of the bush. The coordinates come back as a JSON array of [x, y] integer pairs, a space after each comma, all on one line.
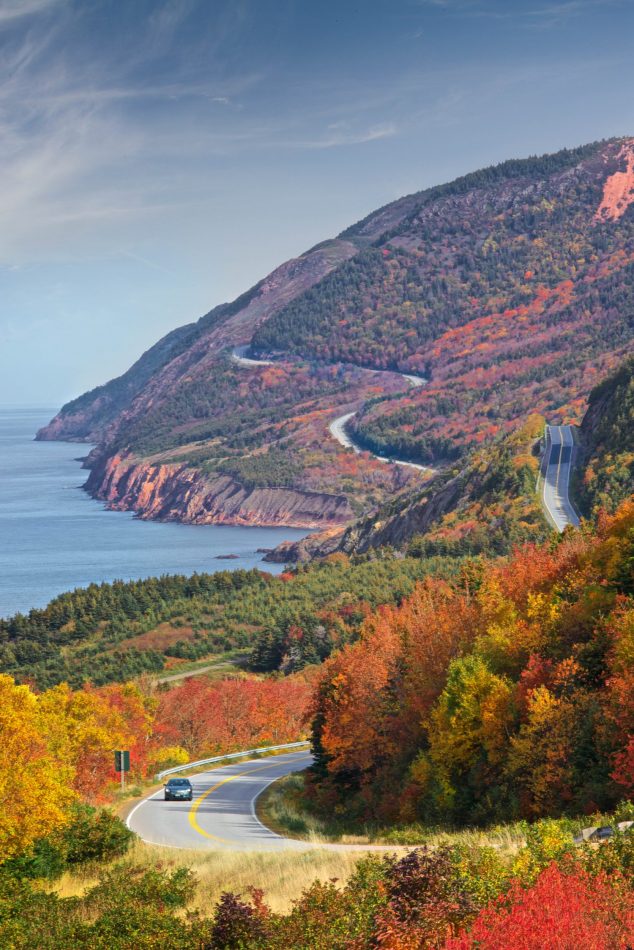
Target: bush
[[426, 900], [95, 835], [238, 924], [567, 910], [92, 834]]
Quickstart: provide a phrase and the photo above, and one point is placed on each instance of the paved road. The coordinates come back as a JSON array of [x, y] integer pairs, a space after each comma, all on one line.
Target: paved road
[[337, 429], [222, 816], [556, 476], [238, 355], [222, 813], [337, 426]]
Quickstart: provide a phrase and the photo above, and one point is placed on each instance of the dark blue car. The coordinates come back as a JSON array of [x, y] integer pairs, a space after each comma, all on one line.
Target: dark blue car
[[178, 790]]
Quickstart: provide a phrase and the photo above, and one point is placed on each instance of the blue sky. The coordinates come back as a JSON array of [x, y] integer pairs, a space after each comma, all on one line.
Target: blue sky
[[160, 156]]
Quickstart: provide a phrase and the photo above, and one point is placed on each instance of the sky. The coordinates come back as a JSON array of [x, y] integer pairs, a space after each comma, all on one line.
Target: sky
[[160, 156]]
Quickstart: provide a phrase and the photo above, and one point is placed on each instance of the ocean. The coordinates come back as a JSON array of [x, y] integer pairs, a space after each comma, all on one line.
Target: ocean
[[54, 537]]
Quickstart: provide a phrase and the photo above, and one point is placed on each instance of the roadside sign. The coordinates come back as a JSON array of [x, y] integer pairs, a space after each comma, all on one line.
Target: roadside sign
[[122, 761], [122, 764]]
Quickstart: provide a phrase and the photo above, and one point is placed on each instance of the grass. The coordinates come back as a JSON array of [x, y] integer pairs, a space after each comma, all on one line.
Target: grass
[[283, 808], [282, 875]]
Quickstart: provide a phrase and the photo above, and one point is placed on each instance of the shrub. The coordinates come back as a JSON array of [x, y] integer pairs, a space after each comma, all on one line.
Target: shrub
[[564, 910], [426, 900], [238, 924], [95, 835], [92, 834]]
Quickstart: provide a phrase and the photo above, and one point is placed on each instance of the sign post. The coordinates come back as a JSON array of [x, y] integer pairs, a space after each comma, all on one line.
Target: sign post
[[122, 764]]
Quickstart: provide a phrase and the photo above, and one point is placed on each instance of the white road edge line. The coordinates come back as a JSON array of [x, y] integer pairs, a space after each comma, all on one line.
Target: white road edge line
[[254, 815]]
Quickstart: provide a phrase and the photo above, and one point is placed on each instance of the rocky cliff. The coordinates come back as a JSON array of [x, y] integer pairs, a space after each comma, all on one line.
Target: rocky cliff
[[181, 493]]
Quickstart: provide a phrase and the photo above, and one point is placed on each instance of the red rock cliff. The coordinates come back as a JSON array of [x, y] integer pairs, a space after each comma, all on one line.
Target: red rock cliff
[[179, 493]]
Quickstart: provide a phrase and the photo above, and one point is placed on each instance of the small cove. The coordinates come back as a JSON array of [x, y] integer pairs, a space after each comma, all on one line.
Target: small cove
[[54, 537]]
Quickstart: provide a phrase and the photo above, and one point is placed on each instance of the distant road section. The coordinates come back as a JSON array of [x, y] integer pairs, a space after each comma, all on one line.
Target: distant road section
[[556, 467], [337, 429], [238, 355]]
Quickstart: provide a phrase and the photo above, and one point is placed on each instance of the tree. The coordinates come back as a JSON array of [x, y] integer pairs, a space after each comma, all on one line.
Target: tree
[[35, 782]]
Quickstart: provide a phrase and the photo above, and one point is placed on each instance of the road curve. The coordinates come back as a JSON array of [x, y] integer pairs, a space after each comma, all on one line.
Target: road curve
[[222, 813], [337, 427], [556, 467], [238, 355]]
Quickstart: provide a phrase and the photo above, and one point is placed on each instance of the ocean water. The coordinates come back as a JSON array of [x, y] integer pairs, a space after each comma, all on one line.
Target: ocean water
[[54, 537]]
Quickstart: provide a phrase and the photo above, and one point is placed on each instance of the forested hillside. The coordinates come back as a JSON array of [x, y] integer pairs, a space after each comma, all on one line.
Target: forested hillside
[[505, 694], [506, 300], [510, 290], [606, 465], [113, 632]]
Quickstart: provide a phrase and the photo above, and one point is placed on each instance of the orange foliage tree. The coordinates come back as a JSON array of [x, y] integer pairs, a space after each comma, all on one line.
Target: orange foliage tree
[[507, 693]]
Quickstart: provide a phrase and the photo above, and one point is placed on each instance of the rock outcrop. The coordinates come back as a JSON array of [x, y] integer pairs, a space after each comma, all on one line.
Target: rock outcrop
[[618, 189], [378, 530], [182, 493]]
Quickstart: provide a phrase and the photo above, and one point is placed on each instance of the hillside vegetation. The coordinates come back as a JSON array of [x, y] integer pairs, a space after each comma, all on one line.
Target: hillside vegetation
[[510, 290], [506, 694], [501, 691], [607, 443], [113, 632]]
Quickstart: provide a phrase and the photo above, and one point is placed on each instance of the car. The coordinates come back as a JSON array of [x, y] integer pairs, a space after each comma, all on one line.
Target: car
[[178, 790]]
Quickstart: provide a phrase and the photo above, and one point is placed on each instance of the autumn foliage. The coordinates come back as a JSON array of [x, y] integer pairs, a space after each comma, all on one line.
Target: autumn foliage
[[208, 718], [564, 910], [58, 745], [507, 694]]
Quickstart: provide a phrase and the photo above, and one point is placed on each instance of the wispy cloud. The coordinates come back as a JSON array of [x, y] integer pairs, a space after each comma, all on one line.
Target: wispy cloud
[[339, 134], [11, 10], [520, 10]]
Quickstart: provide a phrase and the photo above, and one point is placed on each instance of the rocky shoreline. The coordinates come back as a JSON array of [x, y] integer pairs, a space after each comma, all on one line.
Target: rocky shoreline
[[171, 492]]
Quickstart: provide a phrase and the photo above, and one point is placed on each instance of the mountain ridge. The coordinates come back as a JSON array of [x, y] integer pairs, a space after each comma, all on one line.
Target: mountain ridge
[[511, 289]]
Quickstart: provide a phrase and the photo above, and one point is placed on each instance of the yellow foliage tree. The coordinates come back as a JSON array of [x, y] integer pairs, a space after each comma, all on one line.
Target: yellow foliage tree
[[35, 783]]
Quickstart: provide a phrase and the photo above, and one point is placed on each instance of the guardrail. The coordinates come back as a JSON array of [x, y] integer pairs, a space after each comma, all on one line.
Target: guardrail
[[231, 755]]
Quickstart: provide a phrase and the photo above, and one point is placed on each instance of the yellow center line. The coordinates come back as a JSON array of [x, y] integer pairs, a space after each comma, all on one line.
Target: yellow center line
[[198, 802]]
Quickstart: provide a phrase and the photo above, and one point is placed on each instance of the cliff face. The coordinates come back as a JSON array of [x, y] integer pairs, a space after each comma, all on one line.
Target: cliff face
[[179, 493], [381, 528]]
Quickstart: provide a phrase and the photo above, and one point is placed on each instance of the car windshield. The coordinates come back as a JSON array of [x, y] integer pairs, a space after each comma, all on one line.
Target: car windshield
[[180, 782]]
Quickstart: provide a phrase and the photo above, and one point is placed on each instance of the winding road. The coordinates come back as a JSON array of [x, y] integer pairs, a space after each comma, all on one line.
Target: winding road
[[337, 427], [238, 355], [556, 467], [222, 814]]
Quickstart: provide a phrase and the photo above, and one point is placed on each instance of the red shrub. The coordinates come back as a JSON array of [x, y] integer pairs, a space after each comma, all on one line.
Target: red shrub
[[562, 911]]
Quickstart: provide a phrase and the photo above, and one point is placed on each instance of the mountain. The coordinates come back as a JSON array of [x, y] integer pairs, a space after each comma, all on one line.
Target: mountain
[[508, 292]]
